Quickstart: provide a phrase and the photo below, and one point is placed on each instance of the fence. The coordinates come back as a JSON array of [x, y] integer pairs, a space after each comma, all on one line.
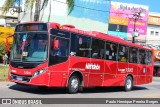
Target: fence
[[4, 72]]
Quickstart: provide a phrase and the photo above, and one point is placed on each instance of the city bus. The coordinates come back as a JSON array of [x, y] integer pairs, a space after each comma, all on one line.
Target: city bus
[[54, 55]]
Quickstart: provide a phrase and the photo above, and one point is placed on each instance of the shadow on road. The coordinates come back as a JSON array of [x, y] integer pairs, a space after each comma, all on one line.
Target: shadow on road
[[36, 90]]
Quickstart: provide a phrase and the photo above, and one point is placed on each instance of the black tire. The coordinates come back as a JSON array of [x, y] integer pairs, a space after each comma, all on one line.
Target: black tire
[[42, 88], [128, 83], [73, 84]]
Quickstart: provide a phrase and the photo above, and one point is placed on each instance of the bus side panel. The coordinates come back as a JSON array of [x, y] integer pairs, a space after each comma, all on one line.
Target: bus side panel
[[149, 74], [121, 73], [110, 73], [96, 74], [79, 64], [141, 74], [41, 80], [58, 74], [133, 71]]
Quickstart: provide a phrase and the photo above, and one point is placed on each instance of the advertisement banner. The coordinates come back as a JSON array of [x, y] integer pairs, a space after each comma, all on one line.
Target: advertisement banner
[[130, 11], [140, 26]]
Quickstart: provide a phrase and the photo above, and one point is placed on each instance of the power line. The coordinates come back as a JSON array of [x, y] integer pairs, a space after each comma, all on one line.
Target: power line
[[94, 8]]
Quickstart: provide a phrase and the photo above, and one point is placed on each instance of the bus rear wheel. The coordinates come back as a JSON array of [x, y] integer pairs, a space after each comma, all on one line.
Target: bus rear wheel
[[73, 84], [128, 83]]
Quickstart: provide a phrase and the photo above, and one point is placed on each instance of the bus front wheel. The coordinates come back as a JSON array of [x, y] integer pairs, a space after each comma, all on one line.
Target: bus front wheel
[[73, 84], [128, 83]]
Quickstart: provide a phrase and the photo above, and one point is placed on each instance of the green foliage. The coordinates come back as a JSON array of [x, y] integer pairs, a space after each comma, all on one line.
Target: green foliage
[[29, 4], [2, 49]]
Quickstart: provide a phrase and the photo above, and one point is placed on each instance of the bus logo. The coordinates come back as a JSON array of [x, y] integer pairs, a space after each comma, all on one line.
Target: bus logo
[[92, 66]]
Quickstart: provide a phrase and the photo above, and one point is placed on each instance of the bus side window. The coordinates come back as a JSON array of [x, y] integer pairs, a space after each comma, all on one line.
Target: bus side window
[[142, 56], [80, 45], [148, 57], [97, 49], [123, 53], [111, 51], [133, 53]]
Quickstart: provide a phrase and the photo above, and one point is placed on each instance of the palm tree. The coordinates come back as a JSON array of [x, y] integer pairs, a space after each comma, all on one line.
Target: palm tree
[[40, 5]]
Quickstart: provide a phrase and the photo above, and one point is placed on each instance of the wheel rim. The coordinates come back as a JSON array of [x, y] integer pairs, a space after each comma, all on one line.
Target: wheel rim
[[128, 83], [74, 83]]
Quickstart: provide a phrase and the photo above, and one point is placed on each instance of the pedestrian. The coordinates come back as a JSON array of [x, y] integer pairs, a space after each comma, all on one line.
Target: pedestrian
[[5, 59]]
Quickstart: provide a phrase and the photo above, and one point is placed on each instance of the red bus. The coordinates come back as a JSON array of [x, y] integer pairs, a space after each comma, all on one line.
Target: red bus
[[51, 55]]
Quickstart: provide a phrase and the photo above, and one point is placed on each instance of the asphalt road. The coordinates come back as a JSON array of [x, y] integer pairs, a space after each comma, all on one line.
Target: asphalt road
[[12, 90]]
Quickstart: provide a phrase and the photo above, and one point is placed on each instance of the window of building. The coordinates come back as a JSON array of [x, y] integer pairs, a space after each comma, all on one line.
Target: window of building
[[123, 53], [80, 45], [156, 33], [152, 33], [111, 51]]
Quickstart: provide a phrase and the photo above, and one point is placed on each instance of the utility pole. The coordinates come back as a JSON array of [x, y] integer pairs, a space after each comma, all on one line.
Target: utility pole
[[19, 10], [135, 17]]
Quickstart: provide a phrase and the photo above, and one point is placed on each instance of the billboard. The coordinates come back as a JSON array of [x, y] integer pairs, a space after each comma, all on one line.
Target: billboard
[[124, 14]]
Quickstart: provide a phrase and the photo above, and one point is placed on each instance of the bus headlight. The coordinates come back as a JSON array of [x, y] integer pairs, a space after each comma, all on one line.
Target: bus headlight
[[39, 72]]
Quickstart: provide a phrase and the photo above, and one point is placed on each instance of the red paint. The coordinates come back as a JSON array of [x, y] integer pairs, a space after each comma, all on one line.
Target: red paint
[[109, 74]]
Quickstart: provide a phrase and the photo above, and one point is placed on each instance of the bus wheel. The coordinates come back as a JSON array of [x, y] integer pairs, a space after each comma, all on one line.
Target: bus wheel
[[128, 83], [73, 84]]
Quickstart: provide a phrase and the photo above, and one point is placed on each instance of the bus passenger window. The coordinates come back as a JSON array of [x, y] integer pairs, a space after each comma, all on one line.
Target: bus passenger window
[[80, 45], [111, 51], [142, 56], [97, 49], [123, 53], [133, 53]]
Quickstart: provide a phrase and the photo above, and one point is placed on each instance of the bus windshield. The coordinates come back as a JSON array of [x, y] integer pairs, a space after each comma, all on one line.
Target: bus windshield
[[31, 46]]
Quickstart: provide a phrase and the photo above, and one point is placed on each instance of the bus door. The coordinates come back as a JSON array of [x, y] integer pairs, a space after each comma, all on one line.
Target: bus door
[[97, 62], [58, 56], [110, 64], [133, 63], [80, 55], [123, 64]]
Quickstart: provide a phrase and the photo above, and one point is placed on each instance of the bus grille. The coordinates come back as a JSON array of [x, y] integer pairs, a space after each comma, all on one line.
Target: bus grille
[[20, 78]]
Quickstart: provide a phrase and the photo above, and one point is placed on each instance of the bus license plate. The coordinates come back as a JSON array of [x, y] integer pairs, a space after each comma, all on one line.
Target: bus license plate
[[19, 78]]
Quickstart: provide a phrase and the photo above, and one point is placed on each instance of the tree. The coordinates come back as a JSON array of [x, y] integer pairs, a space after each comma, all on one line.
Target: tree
[[40, 5], [2, 49]]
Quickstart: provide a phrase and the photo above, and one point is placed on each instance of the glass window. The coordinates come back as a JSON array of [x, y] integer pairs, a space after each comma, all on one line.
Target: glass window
[[156, 33], [148, 57], [31, 46], [142, 55], [59, 46], [152, 33], [133, 54], [98, 50], [111, 51], [80, 45], [123, 53]]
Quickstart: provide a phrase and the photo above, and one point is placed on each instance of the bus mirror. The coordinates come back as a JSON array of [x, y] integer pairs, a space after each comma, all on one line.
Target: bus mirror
[[56, 44], [7, 43]]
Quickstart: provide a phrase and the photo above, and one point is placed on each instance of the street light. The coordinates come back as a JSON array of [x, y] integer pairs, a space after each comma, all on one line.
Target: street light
[[135, 32]]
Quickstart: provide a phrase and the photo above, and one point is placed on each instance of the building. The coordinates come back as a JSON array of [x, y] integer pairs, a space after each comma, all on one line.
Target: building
[[10, 19], [153, 39], [153, 29]]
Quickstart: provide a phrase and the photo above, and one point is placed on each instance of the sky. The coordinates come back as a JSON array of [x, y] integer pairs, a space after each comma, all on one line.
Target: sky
[[154, 5]]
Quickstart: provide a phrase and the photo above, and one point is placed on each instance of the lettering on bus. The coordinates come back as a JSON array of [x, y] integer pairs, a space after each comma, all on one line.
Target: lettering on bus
[[125, 70], [92, 66]]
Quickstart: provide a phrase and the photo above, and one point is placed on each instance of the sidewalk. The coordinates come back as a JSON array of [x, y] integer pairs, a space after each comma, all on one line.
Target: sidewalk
[[4, 65]]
